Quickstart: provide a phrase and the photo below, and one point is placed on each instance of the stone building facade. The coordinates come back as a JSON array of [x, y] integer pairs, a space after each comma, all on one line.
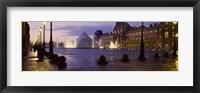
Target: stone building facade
[[157, 36], [25, 38], [105, 40]]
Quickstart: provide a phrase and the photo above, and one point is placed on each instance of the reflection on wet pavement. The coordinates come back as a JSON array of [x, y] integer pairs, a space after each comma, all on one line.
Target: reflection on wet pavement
[[86, 60]]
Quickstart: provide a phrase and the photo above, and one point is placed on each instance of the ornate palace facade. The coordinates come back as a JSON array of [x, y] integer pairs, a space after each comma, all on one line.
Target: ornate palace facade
[[156, 37]]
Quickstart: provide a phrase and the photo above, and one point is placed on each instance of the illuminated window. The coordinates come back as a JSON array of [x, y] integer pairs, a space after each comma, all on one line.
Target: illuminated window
[[173, 27], [166, 34], [172, 34]]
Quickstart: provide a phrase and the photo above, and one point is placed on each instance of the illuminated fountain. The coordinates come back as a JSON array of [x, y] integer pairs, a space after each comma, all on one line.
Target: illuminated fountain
[[112, 45], [101, 47], [70, 44]]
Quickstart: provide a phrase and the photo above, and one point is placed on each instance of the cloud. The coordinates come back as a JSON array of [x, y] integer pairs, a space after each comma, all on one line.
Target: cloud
[[78, 30], [64, 27]]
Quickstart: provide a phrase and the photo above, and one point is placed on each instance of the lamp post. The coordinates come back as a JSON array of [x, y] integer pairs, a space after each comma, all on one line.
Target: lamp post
[[40, 50], [40, 37], [51, 42], [175, 47], [44, 23], [141, 56]]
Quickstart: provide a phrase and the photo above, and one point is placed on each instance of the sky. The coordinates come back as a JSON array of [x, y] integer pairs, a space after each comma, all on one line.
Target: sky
[[71, 30]]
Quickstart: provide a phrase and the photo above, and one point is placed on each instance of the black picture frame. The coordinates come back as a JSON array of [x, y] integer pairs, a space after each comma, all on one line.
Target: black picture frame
[[98, 3]]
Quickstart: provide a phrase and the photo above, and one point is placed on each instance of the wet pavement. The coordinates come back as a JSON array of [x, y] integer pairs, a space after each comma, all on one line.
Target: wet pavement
[[86, 60]]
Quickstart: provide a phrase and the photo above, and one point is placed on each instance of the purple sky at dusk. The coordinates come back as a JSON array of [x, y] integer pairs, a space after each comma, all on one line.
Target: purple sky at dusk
[[71, 30]]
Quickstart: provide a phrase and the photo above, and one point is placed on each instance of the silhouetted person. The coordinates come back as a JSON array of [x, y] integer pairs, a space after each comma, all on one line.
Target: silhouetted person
[[156, 55], [54, 58], [61, 63], [125, 58], [102, 60], [165, 54]]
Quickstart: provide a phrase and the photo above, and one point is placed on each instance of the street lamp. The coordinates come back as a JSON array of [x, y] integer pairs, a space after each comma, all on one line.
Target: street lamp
[[44, 23], [40, 50], [40, 37], [174, 48], [51, 42], [141, 56]]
